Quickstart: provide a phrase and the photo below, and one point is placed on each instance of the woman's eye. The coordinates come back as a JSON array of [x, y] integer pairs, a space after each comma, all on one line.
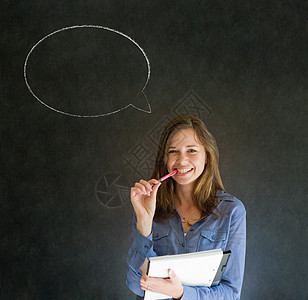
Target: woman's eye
[[171, 151], [192, 150]]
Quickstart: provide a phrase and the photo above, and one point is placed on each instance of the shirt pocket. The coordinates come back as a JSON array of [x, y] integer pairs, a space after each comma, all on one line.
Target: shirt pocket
[[161, 241], [212, 239]]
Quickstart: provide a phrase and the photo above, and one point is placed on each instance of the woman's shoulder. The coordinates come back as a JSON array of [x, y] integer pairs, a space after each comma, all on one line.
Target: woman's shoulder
[[229, 204]]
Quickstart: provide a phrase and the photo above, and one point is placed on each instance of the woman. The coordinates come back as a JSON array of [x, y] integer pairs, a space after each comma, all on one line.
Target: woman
[[188, 213]]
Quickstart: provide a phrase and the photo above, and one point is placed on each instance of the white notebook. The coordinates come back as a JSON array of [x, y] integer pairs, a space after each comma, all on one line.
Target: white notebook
[[193, 269]]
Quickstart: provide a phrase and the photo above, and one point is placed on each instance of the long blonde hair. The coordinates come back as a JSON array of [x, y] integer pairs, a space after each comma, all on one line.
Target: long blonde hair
[[208, 182]]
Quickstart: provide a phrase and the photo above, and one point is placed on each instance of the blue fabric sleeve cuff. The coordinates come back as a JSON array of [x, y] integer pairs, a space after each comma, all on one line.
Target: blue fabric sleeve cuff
[[142, 244], [189, 293]]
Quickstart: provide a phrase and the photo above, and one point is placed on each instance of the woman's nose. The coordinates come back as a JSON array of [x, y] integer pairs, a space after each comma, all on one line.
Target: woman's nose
[[182, 158]]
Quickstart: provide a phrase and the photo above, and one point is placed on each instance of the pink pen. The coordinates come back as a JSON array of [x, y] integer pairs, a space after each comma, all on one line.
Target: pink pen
[[166, 177]]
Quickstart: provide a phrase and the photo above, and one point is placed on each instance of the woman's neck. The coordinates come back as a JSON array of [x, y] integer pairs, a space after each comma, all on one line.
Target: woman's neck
[[184, 194], [186, 207]]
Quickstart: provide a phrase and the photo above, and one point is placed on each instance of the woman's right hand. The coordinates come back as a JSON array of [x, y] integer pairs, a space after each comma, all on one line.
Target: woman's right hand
[[143, 198]]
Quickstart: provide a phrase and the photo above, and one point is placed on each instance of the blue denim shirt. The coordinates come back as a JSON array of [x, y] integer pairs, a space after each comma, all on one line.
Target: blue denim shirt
[[227, 232]]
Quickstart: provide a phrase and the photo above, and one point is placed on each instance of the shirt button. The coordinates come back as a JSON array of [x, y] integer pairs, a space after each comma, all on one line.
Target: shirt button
[[146, 247], [183, 245]]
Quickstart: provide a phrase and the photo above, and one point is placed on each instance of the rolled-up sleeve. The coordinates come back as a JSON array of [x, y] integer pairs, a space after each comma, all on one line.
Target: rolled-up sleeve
[[141, 248]]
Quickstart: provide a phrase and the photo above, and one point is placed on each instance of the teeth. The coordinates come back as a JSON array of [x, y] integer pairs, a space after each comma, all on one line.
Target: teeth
[[183, 171]]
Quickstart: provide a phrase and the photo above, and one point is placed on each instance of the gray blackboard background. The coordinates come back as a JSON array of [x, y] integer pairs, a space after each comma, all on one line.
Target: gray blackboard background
[[241, 66]]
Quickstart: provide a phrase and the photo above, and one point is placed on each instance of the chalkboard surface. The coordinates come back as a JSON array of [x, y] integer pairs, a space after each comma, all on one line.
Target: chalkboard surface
[[86, 88]]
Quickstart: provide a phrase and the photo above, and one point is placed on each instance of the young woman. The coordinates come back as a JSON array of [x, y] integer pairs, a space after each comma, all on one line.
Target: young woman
[[187, 213]]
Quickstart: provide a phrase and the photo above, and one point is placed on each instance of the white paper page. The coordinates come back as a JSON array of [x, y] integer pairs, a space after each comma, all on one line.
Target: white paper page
[[193, 269]]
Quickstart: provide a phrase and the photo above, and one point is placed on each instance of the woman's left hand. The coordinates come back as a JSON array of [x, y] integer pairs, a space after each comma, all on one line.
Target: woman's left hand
[[171, 286]]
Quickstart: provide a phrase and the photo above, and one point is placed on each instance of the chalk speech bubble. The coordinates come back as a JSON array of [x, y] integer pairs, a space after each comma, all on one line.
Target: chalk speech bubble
[[79, 68]]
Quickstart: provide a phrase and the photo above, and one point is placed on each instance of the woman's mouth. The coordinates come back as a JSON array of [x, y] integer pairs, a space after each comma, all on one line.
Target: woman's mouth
[[183, 171]]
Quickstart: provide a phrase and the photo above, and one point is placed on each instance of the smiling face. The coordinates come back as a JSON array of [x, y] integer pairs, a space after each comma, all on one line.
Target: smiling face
[[187, 155]]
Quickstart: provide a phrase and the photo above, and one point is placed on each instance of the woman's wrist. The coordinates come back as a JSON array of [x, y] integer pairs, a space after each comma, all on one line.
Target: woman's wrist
[[144, 229], [180, 294]]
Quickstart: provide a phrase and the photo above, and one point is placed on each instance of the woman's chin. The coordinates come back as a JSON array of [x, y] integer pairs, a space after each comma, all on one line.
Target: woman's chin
[[184, 181]]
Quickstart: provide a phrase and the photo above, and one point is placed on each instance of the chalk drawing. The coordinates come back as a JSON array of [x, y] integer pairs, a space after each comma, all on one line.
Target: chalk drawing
[[193, 105], [148, 110], [112, 190]]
